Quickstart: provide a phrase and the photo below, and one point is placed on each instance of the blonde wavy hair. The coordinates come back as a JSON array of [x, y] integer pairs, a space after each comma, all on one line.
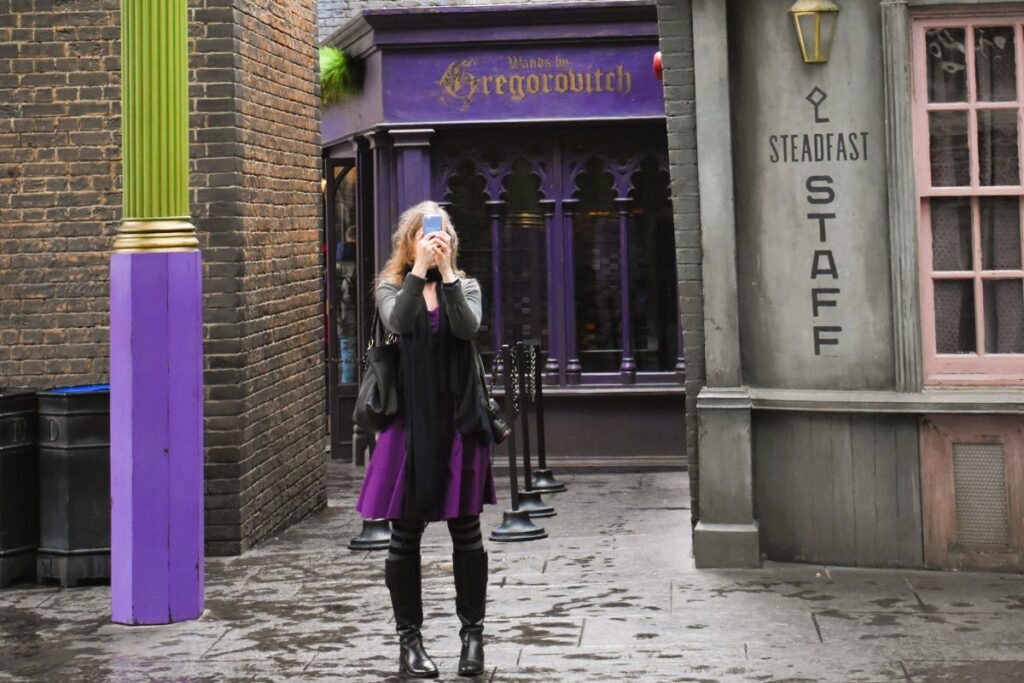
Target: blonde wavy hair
[[403, 242]]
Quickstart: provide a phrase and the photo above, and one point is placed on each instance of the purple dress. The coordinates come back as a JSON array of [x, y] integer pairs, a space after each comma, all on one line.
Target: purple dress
[[469, 483]]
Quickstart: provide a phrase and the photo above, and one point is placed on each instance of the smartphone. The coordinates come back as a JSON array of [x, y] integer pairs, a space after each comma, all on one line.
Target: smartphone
[[431, 223]]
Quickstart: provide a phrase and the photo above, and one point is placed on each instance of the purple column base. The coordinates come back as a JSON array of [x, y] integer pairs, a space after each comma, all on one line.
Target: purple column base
[[156, 437]]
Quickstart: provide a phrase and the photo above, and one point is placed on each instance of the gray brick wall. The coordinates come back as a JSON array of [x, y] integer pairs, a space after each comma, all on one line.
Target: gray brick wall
[[255, 169], [675, 29], [256, 203], [334, 13]]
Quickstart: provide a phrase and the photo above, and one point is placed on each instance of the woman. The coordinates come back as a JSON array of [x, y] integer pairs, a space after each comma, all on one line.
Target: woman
[[433, 462]]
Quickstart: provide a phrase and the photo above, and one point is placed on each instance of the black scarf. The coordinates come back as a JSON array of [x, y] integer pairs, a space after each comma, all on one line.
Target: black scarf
[[437, 372]]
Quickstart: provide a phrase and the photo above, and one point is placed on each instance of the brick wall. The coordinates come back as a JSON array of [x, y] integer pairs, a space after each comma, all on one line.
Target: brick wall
[[255, 159], [256, 203], [60, 199], [676, 41], [282, 288]]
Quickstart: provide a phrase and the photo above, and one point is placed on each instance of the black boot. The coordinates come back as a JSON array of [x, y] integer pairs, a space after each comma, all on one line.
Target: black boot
[[470, 601], [402, 578]]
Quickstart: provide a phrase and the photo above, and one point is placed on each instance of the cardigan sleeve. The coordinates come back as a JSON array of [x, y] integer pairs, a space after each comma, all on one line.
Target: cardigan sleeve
[[398, 306], [463, 306]]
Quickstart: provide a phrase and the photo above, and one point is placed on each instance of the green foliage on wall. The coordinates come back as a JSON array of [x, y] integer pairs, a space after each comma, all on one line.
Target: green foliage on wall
[[341, 76]]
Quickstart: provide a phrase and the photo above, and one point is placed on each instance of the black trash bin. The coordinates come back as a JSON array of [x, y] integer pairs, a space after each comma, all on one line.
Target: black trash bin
[[19, 485], [74, 484]]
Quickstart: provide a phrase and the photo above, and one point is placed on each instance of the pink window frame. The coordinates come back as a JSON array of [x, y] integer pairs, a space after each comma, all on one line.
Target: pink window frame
[[979, 367]]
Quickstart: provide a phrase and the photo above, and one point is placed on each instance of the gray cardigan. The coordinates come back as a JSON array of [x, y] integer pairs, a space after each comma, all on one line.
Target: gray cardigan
[[398, 305]]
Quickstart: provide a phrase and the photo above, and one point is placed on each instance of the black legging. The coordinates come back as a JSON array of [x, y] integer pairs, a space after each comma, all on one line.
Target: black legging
[[406, 535]]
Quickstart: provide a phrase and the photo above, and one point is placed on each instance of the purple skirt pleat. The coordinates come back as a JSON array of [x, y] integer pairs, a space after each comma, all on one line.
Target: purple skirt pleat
[[469, 484]]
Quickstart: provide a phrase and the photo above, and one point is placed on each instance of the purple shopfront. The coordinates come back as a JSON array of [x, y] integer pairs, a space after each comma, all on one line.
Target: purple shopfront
[[541, 129]]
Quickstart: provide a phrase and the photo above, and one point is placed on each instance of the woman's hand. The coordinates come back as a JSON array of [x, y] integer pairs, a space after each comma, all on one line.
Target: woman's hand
[[426, 255], [443, 245]]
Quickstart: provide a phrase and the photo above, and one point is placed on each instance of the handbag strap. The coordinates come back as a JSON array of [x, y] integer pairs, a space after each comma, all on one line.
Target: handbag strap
[[378, 333]]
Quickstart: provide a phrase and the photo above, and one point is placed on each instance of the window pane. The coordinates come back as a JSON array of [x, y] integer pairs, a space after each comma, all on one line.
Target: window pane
[[524, 281], [997, 147], [469, 216], [954, 316], [652, 272], [808, 31], [596, 260], [950, 162], [947, 65], [1004, 316], [1000, 233], [951, 233], [995, 64], [345, 272]]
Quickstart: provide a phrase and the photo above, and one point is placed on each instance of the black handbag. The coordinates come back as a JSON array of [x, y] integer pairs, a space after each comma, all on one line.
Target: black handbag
[[377, 400], [500, 428]]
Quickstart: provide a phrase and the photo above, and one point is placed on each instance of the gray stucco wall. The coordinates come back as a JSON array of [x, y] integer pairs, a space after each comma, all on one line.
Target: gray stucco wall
[[811, 202], [838, 488]]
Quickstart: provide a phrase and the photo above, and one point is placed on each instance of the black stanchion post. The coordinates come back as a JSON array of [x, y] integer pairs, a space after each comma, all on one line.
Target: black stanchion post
[[515, 524], [376, 533], [530, 500], [543, 479]]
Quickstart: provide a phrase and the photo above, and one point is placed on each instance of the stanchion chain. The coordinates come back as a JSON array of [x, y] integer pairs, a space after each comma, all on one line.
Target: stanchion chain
[[531, 377], [514, 374]]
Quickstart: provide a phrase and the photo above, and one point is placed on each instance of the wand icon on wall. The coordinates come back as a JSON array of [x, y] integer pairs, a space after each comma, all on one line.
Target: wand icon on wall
[[816, 97]]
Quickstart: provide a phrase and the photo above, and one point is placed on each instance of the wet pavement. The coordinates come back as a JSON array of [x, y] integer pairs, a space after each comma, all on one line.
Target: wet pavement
[[612, 594]]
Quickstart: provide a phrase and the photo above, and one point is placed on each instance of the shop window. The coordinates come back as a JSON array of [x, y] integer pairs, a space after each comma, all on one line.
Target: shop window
[[468, 211], [596, 270], [345, 272], [559, 209], [969, 96]]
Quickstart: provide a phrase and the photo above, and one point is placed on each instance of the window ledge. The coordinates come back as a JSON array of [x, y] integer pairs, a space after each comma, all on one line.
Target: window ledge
[[605, 390], [974, 401]]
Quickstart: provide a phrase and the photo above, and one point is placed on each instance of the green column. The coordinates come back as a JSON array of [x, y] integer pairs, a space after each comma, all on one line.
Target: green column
[[154, 126]]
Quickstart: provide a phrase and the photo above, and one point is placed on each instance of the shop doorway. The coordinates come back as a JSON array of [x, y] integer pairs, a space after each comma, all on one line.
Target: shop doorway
[[348, 279]]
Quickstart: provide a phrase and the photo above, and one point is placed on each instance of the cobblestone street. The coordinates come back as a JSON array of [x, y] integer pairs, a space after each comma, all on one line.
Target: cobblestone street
[[612, 594]]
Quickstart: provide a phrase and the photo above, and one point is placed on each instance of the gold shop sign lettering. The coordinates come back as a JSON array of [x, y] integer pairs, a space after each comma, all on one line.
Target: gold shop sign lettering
[[538, 77]]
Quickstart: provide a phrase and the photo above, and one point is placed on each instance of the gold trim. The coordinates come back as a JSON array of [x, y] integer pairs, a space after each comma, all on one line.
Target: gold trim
[[156, 235]]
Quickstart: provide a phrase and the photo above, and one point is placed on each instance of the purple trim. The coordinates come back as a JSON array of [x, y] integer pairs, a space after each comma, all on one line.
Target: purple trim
[[554, 34], [494, 210], [156, 398], [412, 148], [445, 125], [382, 200], [554, 272], [573, 368], [627, 370], [452, 24], [568, 82]]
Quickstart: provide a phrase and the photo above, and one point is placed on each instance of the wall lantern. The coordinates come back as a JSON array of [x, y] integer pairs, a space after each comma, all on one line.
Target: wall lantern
[[815, 22], [658, 67]]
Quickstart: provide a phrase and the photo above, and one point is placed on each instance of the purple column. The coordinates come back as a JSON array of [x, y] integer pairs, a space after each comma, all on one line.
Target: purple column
[[627, 369], [494, 207], [382, 197], [413, 150], [551, 367], [156, 444], [573, 368], [156, 334]]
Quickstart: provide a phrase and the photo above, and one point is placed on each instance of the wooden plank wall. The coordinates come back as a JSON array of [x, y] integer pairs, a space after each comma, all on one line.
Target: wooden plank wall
[[838, 488]]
